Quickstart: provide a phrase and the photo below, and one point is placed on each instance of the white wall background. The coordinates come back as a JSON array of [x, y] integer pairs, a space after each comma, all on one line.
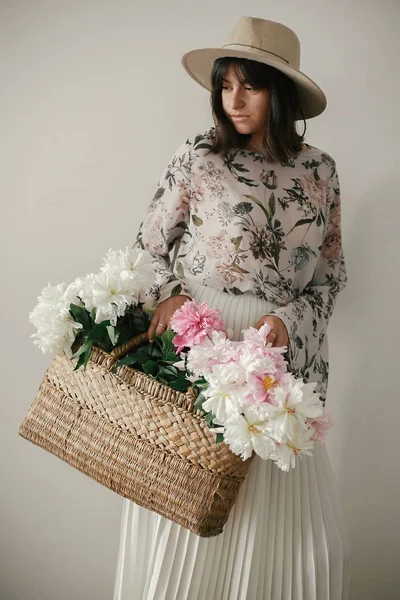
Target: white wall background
[[93, 103]]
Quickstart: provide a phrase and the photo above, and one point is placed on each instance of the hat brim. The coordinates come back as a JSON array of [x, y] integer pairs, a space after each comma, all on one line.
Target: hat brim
[[198, 64]]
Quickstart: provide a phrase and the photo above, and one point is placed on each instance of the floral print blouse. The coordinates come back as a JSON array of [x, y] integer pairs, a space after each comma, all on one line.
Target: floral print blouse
[[246, 224]]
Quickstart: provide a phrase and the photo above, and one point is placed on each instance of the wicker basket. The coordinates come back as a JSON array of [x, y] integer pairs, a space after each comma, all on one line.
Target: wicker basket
[[136, 436]]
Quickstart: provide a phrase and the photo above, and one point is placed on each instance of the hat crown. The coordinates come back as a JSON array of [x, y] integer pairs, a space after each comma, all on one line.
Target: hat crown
[[268, 36]]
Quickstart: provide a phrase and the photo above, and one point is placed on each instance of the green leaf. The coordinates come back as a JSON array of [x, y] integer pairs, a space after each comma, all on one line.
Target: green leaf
[[176, 290], [304, 221], [128, 360], [236, 291], [197, 221], [200, 382], [181, 384], [272, 204], [167, 345], [84, 354], [220, 438], [236, 241], [170, 359], [179, 268], [87, 356], [277, 252], [150, 368], [83, 348], [260, 204], [198, 403], [250, 197], [203, 146], [182, 224], [99, 331], [154, 349], [148, 352], [209, 418], [239, 167], [272, 267], [168, 371], [239, 268], [80, 315], [80, 362]]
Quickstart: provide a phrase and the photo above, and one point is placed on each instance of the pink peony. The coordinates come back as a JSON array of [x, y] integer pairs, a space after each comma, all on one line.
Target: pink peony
[[320, 426], [260, 387], [193, 322], [256, 337]]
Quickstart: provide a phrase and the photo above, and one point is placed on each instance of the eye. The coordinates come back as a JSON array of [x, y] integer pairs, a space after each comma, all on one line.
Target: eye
[[249, 88]]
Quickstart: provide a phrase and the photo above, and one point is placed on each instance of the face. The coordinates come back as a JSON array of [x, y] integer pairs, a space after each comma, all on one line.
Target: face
[[251, 104]]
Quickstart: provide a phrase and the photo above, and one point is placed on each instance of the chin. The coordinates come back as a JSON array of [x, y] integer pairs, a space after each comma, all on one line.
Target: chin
[[242, 128]]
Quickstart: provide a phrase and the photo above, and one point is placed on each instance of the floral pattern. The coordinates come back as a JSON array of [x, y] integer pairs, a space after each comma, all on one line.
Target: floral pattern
[[242, 224]]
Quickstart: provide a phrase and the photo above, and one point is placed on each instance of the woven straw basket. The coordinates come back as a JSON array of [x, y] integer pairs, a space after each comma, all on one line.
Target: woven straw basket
[[136, 436]]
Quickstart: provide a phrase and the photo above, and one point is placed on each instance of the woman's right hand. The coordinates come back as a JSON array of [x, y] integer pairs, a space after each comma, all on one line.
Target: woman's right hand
[[163, 313]]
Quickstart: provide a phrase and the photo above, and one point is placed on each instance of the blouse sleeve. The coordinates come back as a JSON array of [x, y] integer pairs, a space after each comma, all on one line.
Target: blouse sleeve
[[166, 221], [306, 318]]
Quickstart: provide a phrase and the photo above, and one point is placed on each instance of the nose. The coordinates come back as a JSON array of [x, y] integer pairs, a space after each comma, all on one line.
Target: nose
[[237, 100]]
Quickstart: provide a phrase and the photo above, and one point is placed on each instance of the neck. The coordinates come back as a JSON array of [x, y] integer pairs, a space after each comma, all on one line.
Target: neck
[[254, 147], [255, 143]]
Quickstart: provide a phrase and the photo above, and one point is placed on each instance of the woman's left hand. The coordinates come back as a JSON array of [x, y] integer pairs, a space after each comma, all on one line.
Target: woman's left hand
[[278, 335]]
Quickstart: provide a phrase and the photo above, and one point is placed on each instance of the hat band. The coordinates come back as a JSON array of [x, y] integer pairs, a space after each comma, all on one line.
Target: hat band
[[257, 48]]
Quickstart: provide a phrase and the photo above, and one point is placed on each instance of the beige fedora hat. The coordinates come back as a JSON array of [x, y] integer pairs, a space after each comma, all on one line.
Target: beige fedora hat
[[265, 41]]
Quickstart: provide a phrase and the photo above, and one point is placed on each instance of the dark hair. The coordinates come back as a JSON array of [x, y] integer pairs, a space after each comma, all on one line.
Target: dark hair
[[281, 140]]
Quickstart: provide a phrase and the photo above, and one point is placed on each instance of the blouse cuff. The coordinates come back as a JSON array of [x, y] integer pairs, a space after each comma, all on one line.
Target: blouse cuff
[[173, 288]]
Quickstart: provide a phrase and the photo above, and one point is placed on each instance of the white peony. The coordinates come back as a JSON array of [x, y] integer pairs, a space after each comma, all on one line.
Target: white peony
[[56, 328], [256, 337], [295, 401], [248, 432], [224, 391], [71, 294], [219, 349], [111, 296], [256, 360], [83, 287], [132, 264], [300, 443]]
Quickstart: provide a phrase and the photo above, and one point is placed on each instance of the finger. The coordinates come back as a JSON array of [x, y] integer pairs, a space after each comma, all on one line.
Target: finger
[[260, 323], [150, 333], [271, 337], [158, 328], [153, 326]]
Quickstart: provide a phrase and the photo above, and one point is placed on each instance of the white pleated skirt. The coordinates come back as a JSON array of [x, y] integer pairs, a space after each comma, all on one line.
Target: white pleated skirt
[[285, 538]]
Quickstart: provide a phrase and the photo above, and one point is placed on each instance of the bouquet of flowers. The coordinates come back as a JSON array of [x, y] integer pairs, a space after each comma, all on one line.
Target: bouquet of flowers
[[244, 390], [107, 309], [248, 396]]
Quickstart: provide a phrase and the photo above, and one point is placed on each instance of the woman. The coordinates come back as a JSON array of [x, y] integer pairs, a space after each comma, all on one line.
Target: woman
[[252, 214]]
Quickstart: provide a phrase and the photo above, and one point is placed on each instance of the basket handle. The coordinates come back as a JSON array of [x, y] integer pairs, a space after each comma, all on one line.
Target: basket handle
[[137, 340]]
